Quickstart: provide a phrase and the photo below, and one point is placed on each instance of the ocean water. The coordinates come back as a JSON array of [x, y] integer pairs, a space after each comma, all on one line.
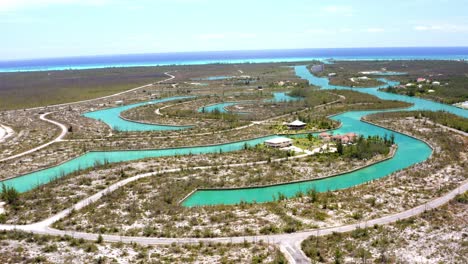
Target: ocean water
[[258, 56]]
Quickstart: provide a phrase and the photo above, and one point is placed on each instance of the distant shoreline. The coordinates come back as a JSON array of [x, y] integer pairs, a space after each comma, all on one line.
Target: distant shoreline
[[233, 57]]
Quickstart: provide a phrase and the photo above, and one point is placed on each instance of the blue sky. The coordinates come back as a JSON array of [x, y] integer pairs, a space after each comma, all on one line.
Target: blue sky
[[58, 28]]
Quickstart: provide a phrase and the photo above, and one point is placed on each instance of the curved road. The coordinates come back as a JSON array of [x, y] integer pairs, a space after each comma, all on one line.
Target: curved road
[[59, 138], [288, 243], [63, 127]]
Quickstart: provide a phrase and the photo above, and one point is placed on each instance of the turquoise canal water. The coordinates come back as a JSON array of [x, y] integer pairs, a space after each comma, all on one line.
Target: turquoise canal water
[[410, 151], [111, 117], [29, 181], [221, 107], [418, 103]]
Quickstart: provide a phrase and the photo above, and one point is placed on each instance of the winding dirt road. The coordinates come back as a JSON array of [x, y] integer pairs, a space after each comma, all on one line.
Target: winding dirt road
[[289, 243], [62, 126], [63, 132]]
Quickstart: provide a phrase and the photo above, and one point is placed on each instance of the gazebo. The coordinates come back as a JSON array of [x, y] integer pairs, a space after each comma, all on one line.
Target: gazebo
[[296, 125]]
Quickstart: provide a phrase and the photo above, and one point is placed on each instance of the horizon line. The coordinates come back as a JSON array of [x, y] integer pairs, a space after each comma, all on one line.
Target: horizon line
[[220, 51]]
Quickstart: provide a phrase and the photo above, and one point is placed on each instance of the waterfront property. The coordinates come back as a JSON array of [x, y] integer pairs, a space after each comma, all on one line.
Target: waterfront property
[[344, 138], [280, 142]]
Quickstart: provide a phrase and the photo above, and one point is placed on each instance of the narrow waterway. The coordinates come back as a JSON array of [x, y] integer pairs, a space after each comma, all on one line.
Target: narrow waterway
[[111, 116], [410, 151], [221, 107]]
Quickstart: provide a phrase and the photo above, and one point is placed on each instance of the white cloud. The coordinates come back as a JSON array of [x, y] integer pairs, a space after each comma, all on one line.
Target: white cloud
[[452, 28], [12, 5]]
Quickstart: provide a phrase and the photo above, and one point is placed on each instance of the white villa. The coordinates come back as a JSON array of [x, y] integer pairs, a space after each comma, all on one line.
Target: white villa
[[280, 142]]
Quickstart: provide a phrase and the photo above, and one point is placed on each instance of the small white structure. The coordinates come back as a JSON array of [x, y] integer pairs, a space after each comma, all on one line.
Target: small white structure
[[363, 78], [409, 84], [331, 74], [119, 102], [430, 91], [280, 142], [435, 83], [296, 125]]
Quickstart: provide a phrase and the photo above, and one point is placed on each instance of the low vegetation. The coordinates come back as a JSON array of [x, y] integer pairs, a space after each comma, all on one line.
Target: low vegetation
[[440, 117], [436, 236], [22, 247]]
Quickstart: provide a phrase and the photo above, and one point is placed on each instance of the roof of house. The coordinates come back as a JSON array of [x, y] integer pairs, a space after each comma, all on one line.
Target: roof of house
[[297, 123]]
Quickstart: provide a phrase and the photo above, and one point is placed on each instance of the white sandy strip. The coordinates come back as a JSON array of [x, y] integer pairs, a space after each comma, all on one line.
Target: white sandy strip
[[108, 96], [5, 133], [59, 138]]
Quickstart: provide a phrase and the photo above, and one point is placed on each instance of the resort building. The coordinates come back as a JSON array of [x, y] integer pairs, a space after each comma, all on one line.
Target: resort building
[[296, 125], [325, 136], [280, 142]]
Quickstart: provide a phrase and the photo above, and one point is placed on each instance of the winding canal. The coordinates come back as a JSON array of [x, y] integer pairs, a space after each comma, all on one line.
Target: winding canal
[[410, 152], [221, 107], [111, 116]]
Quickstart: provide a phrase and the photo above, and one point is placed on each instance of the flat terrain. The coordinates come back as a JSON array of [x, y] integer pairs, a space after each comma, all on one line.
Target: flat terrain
[[32, 89], [452, 75], [142, 198], [436, 236]]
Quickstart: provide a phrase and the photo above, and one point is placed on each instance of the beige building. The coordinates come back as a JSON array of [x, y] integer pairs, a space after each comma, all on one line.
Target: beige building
[[280, 142]]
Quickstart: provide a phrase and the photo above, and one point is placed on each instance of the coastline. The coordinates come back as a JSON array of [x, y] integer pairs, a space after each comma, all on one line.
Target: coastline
[[327, 55]]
